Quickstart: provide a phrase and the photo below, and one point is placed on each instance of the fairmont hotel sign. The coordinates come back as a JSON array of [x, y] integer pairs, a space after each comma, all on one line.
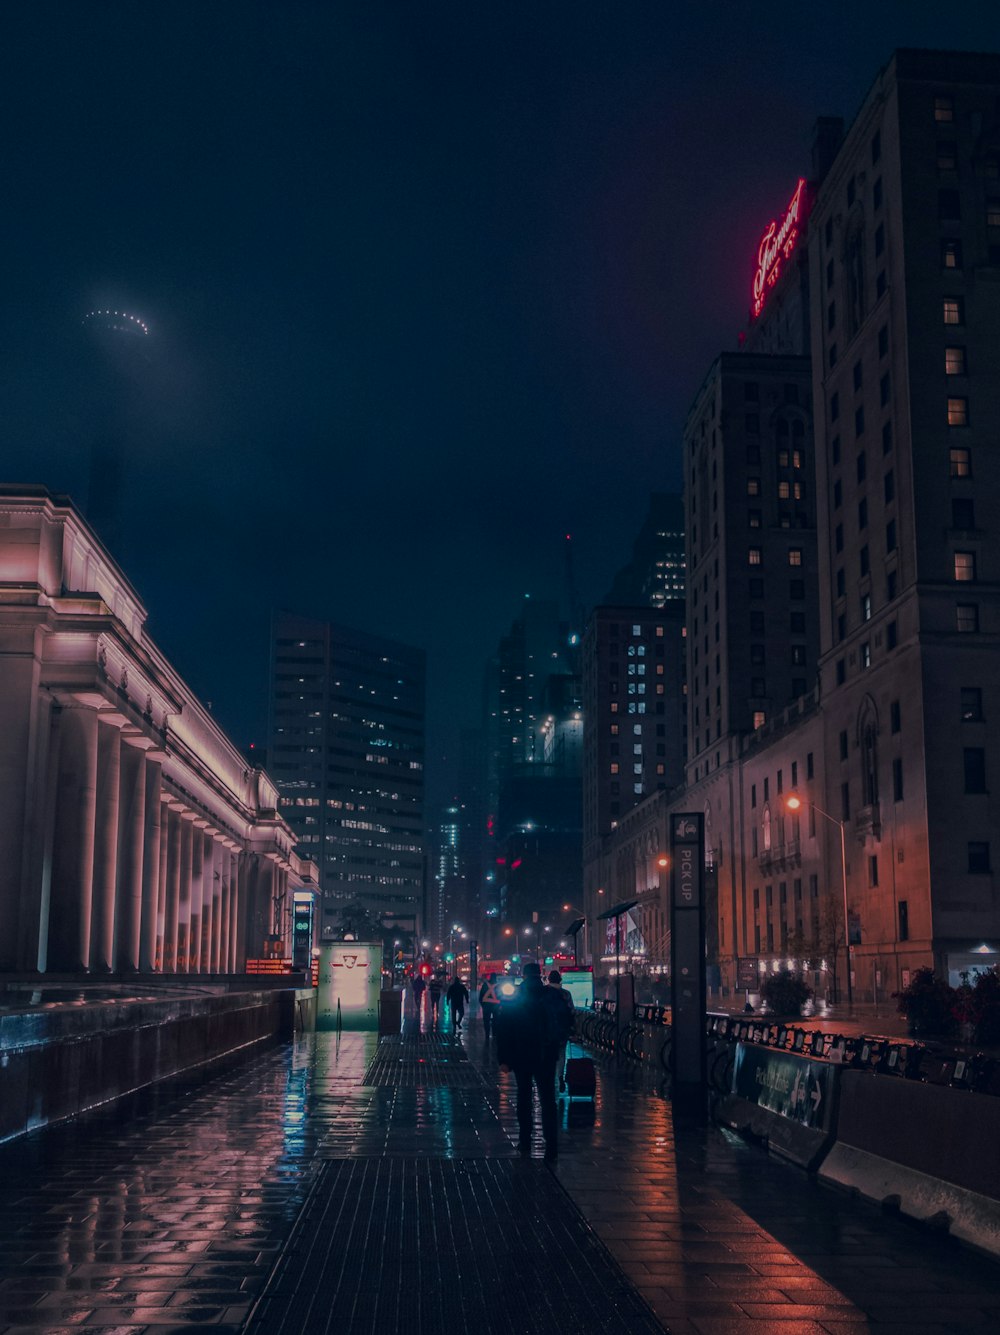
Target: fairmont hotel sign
[[776, 246]]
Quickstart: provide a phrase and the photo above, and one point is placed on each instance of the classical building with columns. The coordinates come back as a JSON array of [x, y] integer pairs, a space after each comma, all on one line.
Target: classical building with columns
[[135, 836]]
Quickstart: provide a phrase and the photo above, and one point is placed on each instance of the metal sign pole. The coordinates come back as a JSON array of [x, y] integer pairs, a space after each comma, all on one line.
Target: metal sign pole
[[687, 960]]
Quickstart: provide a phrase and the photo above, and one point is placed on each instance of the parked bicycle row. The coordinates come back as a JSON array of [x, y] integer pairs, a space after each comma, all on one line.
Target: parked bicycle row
[[647, 1038]]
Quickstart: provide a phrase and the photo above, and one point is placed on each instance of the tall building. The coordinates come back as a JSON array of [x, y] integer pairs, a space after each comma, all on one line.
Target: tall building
[[655, 575], [116, 348], [905, 266], [890, 845], [346, 749], [449, 902], [751, 540], [531, 854]]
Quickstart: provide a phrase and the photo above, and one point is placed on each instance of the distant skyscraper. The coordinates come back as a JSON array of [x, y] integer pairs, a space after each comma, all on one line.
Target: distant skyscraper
[[346, 747], [655, 574], [116, 346]]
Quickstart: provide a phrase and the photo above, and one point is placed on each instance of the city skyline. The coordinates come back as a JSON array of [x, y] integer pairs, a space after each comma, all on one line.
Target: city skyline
[[449, 320]]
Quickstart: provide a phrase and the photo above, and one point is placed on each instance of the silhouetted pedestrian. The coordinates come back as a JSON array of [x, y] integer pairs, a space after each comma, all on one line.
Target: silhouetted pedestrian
[[489, 1003], [528, 1028], [458, 995], [418, 992], [567, 1023], [434, 992]]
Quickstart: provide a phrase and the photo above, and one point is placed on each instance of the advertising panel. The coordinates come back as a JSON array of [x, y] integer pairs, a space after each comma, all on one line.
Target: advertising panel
[[792, 1086], [579, 983], [350, 980]]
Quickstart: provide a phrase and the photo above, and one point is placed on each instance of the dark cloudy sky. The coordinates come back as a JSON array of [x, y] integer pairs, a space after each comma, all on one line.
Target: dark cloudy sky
[[428, 286]]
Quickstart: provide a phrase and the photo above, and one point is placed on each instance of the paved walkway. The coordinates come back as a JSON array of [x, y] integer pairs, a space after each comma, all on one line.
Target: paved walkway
[[338, 1185]]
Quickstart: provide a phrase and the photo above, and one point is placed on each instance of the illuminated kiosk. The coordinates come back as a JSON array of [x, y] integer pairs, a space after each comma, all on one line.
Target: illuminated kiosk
[[350, 980]]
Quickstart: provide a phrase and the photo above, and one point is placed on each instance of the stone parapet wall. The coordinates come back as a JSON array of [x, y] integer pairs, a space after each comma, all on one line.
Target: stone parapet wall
[[58, 1062]]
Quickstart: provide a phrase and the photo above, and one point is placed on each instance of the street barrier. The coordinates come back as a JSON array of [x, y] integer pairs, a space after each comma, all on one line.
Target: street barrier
[[926, 1148]]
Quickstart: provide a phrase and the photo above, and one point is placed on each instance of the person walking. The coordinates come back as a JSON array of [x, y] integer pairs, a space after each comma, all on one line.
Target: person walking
[[489, 1004], [434, 992], [528, 1029], [418, 993], [458, 995], [567, 1023]]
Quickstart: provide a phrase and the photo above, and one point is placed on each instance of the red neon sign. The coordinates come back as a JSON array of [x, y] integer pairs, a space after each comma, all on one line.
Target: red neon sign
[[776, 245]]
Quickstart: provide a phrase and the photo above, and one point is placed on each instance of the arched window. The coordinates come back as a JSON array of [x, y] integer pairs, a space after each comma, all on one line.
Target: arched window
[[766, 832], [868, 751]]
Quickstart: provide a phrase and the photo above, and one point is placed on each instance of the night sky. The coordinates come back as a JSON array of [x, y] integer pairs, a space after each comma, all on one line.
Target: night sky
[[428, 285]]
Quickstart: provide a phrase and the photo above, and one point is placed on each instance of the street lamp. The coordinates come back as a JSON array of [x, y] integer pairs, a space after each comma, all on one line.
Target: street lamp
[[793, 802], [512, 931], [455, 927]]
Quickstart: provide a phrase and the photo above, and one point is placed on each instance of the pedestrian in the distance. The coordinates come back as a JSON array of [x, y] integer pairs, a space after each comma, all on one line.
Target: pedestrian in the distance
[[489, 1003], [567, 1023], [434, 992], [418, 992], [528, 1028], [458, 996]]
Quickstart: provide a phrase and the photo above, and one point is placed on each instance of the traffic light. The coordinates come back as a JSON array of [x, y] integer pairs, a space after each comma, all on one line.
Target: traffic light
[[515, 959], [449, 957], [425, 970]]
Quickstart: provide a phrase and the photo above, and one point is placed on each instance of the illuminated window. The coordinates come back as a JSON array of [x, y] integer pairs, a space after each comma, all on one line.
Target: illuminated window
[[795, 556], [944, 109], [953, 311], [965, 567], [958, 412], [865, 655], [784, 491], [754, 518], [951, 254], [755, 556], [614, 767], [753, 486], [759, 718], [954, 361], [960, 459]]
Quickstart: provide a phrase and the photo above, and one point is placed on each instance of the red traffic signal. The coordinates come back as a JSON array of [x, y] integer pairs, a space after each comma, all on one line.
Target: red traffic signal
[[425, 970]]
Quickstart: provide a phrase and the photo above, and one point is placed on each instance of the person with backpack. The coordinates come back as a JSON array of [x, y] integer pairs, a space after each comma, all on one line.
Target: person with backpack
[[528, 1029], [567, 1023]]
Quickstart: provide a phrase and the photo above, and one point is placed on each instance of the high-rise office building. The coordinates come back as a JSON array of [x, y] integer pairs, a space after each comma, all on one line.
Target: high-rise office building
[[346, 748], [905, 270], [751, 540], [655, 575]]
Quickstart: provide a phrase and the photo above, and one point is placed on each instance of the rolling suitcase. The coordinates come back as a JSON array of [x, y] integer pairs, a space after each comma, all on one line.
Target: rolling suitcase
[[581, 1077]]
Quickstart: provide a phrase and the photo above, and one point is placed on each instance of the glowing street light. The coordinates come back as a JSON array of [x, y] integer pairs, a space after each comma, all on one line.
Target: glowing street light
[[794, 803]]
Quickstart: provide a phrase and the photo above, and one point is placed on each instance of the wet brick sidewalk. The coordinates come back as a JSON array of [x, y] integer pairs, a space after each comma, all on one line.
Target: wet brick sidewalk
[[188, 1212]]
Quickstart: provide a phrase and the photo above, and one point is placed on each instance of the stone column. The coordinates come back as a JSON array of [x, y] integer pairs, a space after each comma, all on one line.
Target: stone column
[[131, 853], [240, 912], [161, 889], [195, 895], [109, 750], [150, 864], [86, 797], [225, 933], [39, 947], [215, 934], [172, 890], [184, 894]]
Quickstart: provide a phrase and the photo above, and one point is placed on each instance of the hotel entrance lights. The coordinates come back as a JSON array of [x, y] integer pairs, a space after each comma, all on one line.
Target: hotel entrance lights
[[794, 803]]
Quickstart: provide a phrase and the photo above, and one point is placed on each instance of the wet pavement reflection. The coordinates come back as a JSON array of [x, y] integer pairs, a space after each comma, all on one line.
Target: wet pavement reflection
[[170, 1214]]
